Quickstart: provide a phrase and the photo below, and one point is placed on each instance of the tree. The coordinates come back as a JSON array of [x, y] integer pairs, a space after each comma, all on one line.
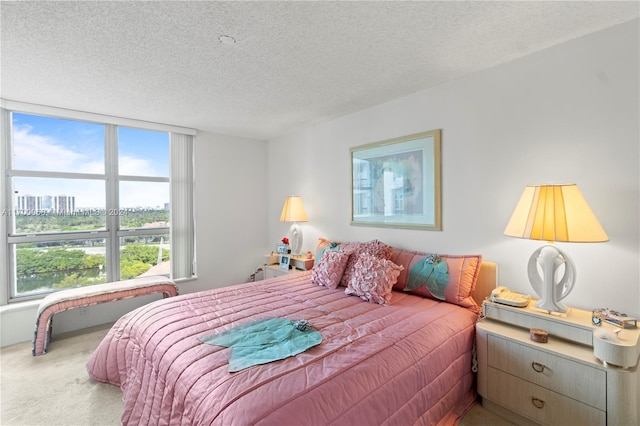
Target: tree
[[133, 270], [76, 280], [93, 261], [34, 261]]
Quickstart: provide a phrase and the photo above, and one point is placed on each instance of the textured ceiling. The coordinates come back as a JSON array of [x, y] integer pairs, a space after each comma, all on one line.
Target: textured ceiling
[[293, 63]]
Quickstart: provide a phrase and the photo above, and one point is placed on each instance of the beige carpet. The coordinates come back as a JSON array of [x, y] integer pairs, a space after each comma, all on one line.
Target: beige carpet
[[54, 389]]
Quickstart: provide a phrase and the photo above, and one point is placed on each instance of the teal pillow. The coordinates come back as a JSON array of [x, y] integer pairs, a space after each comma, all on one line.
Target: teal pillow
[[431, 272]]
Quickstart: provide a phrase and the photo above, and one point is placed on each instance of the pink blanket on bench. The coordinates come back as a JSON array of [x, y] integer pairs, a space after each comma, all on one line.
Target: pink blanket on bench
[[405, 363], [64, 300]]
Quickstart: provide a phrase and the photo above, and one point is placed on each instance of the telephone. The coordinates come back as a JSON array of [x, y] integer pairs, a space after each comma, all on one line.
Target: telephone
[[507, 297]]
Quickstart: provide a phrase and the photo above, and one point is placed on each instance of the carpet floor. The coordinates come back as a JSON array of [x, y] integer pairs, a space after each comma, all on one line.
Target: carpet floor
[[54, 389]]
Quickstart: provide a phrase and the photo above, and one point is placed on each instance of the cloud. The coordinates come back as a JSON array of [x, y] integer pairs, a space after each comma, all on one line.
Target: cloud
[[135, 166], [45, 153], [143, 194]]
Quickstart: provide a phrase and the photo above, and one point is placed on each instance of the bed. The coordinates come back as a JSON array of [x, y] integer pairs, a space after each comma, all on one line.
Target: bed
[[405, 362]]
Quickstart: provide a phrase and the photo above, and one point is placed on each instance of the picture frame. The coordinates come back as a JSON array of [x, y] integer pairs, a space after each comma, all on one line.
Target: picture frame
[[281, 248], [284, 261], [396, 183]]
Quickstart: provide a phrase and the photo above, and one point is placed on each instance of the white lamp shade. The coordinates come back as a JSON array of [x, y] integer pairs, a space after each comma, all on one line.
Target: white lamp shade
[[555, 213], [293, 210]]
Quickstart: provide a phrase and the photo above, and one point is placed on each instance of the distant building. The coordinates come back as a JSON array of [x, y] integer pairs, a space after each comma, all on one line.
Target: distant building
[[60, 204], [46, 202], [28, 203], [64, 204]]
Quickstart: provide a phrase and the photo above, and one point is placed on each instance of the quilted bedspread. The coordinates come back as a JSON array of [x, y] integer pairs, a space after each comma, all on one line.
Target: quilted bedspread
[[405, 363]]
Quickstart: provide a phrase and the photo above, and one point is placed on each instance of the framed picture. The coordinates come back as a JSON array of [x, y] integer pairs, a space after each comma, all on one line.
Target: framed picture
[[284, 261], [396, 183], [281, 248]]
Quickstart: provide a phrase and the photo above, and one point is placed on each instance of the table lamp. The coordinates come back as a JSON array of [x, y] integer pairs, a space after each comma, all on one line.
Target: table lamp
[[293, 211], [553, 213]]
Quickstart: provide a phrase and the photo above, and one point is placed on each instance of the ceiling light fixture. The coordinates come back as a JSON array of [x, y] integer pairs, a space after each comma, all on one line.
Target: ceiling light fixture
[[228, 40]]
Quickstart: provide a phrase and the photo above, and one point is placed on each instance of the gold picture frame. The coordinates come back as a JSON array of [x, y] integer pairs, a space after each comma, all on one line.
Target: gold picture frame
[[396, 183]]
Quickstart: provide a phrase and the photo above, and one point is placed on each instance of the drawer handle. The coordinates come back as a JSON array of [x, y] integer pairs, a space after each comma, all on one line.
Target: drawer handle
[[538, 367], [537, 402]]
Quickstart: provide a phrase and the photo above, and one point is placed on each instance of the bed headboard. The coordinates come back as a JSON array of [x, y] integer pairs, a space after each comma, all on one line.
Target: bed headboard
[[486, 282]]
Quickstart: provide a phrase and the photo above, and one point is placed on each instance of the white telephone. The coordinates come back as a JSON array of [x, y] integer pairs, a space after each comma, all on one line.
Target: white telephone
[[507, 297]]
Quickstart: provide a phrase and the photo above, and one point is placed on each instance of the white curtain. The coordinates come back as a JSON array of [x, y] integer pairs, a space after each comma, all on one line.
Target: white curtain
[[182, 207]]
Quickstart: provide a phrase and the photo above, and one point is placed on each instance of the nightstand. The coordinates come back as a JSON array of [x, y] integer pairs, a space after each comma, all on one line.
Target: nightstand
[[560, 382], [271, 271]]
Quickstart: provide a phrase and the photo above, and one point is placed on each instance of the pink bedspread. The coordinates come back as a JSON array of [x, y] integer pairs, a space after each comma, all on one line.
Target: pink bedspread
[[405, 363]]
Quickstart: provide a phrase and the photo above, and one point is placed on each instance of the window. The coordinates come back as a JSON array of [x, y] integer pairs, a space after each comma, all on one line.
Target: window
[[89, 200]]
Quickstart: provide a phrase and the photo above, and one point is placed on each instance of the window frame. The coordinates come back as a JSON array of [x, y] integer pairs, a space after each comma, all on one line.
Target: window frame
[[180, 182]]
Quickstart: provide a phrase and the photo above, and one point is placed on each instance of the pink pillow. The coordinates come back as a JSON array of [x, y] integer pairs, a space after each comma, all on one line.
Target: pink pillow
[[323, 245], [463, 275], [329, 270], [373, 279], [374, 248]]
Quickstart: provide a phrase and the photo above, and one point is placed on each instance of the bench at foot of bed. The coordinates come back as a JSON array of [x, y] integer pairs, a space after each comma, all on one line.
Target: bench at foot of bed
[[91, 295]]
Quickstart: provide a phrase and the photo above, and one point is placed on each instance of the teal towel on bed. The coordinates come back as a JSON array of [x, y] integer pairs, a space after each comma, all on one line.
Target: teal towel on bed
[[264, 341]]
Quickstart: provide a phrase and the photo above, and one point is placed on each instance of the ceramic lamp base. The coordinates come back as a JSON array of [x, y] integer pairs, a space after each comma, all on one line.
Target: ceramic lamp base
[[549, 260]]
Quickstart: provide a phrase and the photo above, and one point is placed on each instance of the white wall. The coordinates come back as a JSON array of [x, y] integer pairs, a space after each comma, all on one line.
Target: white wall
[[231, 206], [566, 114], [231, 234], [570, 113]]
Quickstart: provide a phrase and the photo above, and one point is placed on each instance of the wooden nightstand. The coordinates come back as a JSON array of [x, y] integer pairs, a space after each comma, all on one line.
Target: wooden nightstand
[[271, 271], [560, 382]]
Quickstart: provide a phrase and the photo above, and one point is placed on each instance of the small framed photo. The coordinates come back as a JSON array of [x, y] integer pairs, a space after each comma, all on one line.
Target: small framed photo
[[284, 261], [281, 248]]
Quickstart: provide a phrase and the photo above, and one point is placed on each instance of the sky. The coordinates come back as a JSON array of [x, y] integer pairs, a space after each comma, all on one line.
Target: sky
[[58, 145]]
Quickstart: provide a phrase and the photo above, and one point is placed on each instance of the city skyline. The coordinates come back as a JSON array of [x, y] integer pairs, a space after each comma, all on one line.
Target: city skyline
[[51, 203], [63, 202]]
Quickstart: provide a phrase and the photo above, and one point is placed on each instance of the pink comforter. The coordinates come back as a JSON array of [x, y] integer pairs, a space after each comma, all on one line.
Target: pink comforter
[[405, 363]]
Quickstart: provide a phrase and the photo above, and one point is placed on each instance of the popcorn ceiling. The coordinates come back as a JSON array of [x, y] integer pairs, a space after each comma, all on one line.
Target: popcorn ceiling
[[293, 64]]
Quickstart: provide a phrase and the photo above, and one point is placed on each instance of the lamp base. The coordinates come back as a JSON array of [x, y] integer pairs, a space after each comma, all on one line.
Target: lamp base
[[551, 306], [549, 258], [296, 239]]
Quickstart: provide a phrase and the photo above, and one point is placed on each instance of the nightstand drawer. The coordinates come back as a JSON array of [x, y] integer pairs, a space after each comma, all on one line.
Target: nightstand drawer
[[538, 403], [581, 382], [272, 271]]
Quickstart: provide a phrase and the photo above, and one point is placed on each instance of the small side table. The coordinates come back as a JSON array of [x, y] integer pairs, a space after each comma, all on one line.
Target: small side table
[[271, 271]]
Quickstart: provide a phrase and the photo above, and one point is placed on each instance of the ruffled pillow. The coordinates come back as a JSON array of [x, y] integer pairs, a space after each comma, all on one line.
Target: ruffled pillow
[[323, 246], [374, 248], [373, 279], [328, 272]]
